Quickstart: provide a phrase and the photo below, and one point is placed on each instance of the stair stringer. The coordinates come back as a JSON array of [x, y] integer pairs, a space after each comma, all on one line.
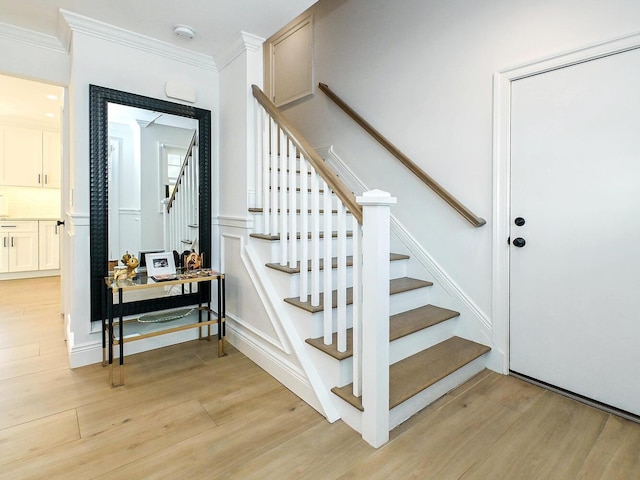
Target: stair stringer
[[275, 308], [473, 323]]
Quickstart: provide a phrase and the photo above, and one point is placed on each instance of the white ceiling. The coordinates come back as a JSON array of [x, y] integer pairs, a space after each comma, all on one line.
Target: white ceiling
[[215, 22], [27, 100]]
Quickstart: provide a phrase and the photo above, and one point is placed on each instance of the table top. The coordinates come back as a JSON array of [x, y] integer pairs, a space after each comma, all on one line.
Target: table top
[[141, 280]]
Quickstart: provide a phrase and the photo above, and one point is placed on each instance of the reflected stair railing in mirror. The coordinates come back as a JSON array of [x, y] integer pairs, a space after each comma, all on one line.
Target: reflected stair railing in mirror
[[180, 212]]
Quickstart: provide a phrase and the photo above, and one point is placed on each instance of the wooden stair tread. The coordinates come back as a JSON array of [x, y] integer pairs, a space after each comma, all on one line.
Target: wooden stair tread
[[334, 263], [418, 372], [397, 285], [272, 238], [400, 325]]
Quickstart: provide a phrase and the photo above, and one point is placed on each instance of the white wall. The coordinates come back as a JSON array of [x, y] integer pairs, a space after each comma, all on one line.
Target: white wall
[[150, 192], [421, 72], [109, 63]]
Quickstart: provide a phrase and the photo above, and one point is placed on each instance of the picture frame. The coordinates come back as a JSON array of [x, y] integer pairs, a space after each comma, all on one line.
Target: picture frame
[[160, 264]]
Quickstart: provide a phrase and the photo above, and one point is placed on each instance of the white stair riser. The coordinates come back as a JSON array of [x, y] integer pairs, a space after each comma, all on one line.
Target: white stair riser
[[289, 284], [413, 298], [339, 371], [416, 403], [299, 197], [418, 341], [269, 250]]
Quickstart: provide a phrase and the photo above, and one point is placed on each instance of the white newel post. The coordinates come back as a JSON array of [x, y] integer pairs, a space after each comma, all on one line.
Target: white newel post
[[375, 315]]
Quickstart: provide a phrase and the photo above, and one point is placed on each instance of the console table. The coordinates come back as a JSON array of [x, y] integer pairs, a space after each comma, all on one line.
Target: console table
[[164, 322]]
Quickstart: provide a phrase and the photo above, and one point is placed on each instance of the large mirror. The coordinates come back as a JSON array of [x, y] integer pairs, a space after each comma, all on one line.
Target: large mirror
[[140, 149]]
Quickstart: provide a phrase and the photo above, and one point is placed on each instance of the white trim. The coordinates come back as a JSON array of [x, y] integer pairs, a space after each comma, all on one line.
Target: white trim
[[29, 37], [242, 42], [280, 320], [94, 28], [79, 219], [247, 326], [234, 222], [256, 281], [502, 166]]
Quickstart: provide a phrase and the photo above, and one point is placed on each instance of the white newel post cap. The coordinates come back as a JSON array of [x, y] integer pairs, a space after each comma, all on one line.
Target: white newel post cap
[[376, 197]]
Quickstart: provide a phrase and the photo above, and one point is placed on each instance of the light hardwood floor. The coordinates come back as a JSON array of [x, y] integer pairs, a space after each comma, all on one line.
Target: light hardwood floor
[[184, 413]]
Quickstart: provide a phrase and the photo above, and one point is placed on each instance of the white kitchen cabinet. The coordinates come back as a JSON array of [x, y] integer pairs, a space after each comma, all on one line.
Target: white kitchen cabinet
[[29, 157], [20, 156], [51, 164], [19, 246], [49, 245]]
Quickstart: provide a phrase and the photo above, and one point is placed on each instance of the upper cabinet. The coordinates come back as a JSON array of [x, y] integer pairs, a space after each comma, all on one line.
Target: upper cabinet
[[29, 157], [51, 166]]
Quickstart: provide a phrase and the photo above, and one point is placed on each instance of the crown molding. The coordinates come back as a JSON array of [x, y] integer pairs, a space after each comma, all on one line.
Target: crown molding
[[29, 37], [242, 42], [94, 28]]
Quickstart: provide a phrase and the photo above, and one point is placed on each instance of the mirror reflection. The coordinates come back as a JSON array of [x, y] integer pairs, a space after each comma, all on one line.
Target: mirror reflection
[[147, 150]]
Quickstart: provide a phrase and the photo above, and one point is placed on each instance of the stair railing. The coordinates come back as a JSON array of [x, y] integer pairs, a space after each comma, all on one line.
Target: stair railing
[[293, 178], [406, 161], [181, 209]]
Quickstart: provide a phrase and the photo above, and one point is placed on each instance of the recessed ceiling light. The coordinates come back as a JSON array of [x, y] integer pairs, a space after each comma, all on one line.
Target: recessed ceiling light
[[50, 115], [184, 31], [52, 96]]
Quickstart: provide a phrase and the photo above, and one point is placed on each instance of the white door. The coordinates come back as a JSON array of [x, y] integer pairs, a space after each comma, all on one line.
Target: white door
[[575, 181]]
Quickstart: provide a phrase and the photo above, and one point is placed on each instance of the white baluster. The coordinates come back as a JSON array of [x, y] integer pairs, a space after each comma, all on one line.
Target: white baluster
[[315, 239], [341, 228], [273, 230], [293, 227], [266, 164], [284, 237], [327, 286], [304, 230]]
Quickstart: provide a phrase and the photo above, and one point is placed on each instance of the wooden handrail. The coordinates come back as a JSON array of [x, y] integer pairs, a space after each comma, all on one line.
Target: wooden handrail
[[329, 176], [182, 170], [407, 162]]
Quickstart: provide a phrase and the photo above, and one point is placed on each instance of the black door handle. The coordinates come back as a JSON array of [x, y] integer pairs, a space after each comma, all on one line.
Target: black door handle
[[519, 242], [58, 223], [519, 221]]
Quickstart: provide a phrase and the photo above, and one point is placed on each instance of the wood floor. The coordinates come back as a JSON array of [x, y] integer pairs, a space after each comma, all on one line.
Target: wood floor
[[185, 414]]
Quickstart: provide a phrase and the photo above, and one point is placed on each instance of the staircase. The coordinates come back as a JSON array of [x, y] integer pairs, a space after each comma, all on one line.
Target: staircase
[[180, 212], [380, 347]]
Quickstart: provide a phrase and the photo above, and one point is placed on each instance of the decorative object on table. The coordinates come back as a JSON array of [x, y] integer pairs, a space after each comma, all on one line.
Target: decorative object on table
[[160, 265], [132, 264], [163, 317], [193, 261], [119, 273]]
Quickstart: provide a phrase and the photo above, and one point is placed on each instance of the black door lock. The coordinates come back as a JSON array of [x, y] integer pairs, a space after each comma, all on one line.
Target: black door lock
[[519, 242]]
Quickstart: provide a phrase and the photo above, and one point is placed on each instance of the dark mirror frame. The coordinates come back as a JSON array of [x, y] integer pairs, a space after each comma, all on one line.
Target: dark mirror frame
[[99, 98]]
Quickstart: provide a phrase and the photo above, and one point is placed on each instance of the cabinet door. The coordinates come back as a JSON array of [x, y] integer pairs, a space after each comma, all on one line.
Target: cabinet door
[[21, 156], [4, 252], [51, 165], [49, 246], [23, 251]]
